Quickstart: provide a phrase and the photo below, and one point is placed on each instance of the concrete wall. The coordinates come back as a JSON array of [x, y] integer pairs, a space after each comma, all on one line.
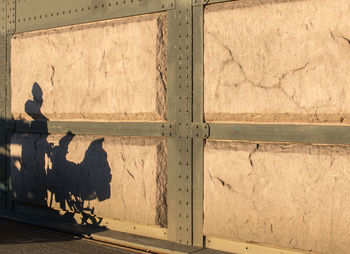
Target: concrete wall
[[286, 195], [112, 177], [110, 70], [277, 60], [104, 71]]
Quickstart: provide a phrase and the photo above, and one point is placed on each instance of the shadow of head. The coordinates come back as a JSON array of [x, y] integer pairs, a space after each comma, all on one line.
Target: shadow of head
[[33, 107], [37, 93]]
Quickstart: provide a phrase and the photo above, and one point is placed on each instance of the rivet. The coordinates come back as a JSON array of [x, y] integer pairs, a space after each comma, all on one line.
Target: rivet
[[180, 228], [180, 215], [179, 162], [162, 133], [186, 163], [179, 109], [179, 11], [197, 134], [169, 133], [162, 125], [179, 136], [179, 47], [180, 97], [179, 201], [179, 76], [180, 176], [186, 109], [179, 188]]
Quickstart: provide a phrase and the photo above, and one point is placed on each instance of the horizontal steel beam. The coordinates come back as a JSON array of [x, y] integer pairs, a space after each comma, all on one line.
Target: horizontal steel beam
[[43, 14], [205, 2], [321, 134], [147, 129]]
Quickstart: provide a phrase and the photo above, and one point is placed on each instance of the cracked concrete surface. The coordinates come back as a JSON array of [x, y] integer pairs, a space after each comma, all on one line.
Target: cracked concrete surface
[[279, 61], [292, 196], [124, 179], [109, 70]]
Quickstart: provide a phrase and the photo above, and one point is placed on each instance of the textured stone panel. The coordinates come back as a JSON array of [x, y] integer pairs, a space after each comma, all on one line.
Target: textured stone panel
[[109, 70], [293, 196], [112, 177], [277, 60]]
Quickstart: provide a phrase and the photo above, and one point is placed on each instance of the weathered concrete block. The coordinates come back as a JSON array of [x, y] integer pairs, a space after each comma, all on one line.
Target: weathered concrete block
[[286, 195], [110, 70], [112, 177], [277, 60]]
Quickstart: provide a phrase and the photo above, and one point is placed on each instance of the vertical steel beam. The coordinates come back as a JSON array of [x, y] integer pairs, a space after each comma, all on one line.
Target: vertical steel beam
[[180, 147], [3, 70], [10, 30], [198, 117]]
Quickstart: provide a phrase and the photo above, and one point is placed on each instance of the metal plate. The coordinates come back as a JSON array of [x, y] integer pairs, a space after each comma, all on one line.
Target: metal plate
[[42, 14], [180, 81], [295, 133], [3, 70], [199, 133], [147, 129]]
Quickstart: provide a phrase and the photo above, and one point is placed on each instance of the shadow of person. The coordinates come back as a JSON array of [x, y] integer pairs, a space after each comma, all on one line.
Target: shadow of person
[[72, 186], [33, 107], [29, 181]]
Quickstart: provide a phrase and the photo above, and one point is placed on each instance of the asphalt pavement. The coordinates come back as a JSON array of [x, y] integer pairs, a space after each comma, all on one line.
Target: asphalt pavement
[[17, 238]]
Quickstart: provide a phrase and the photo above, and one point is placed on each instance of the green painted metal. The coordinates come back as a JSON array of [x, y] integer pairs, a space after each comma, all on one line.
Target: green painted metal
[[180, 153], [10, 29], [199, 130], [146, 129], [205, 2], [3, 70], [171, 144], [42, 14], [320, 134]]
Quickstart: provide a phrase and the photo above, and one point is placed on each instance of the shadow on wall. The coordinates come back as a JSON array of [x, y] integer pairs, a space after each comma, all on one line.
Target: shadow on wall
[[71, 185]]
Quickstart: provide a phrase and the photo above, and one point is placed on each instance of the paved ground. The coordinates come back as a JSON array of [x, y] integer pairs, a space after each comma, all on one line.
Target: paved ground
[[23, 239]]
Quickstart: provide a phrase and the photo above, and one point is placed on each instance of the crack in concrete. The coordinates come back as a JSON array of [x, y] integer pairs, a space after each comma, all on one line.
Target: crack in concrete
[[246, 79], [52, 75], [124, 162], [335, 36], [250, 158]]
